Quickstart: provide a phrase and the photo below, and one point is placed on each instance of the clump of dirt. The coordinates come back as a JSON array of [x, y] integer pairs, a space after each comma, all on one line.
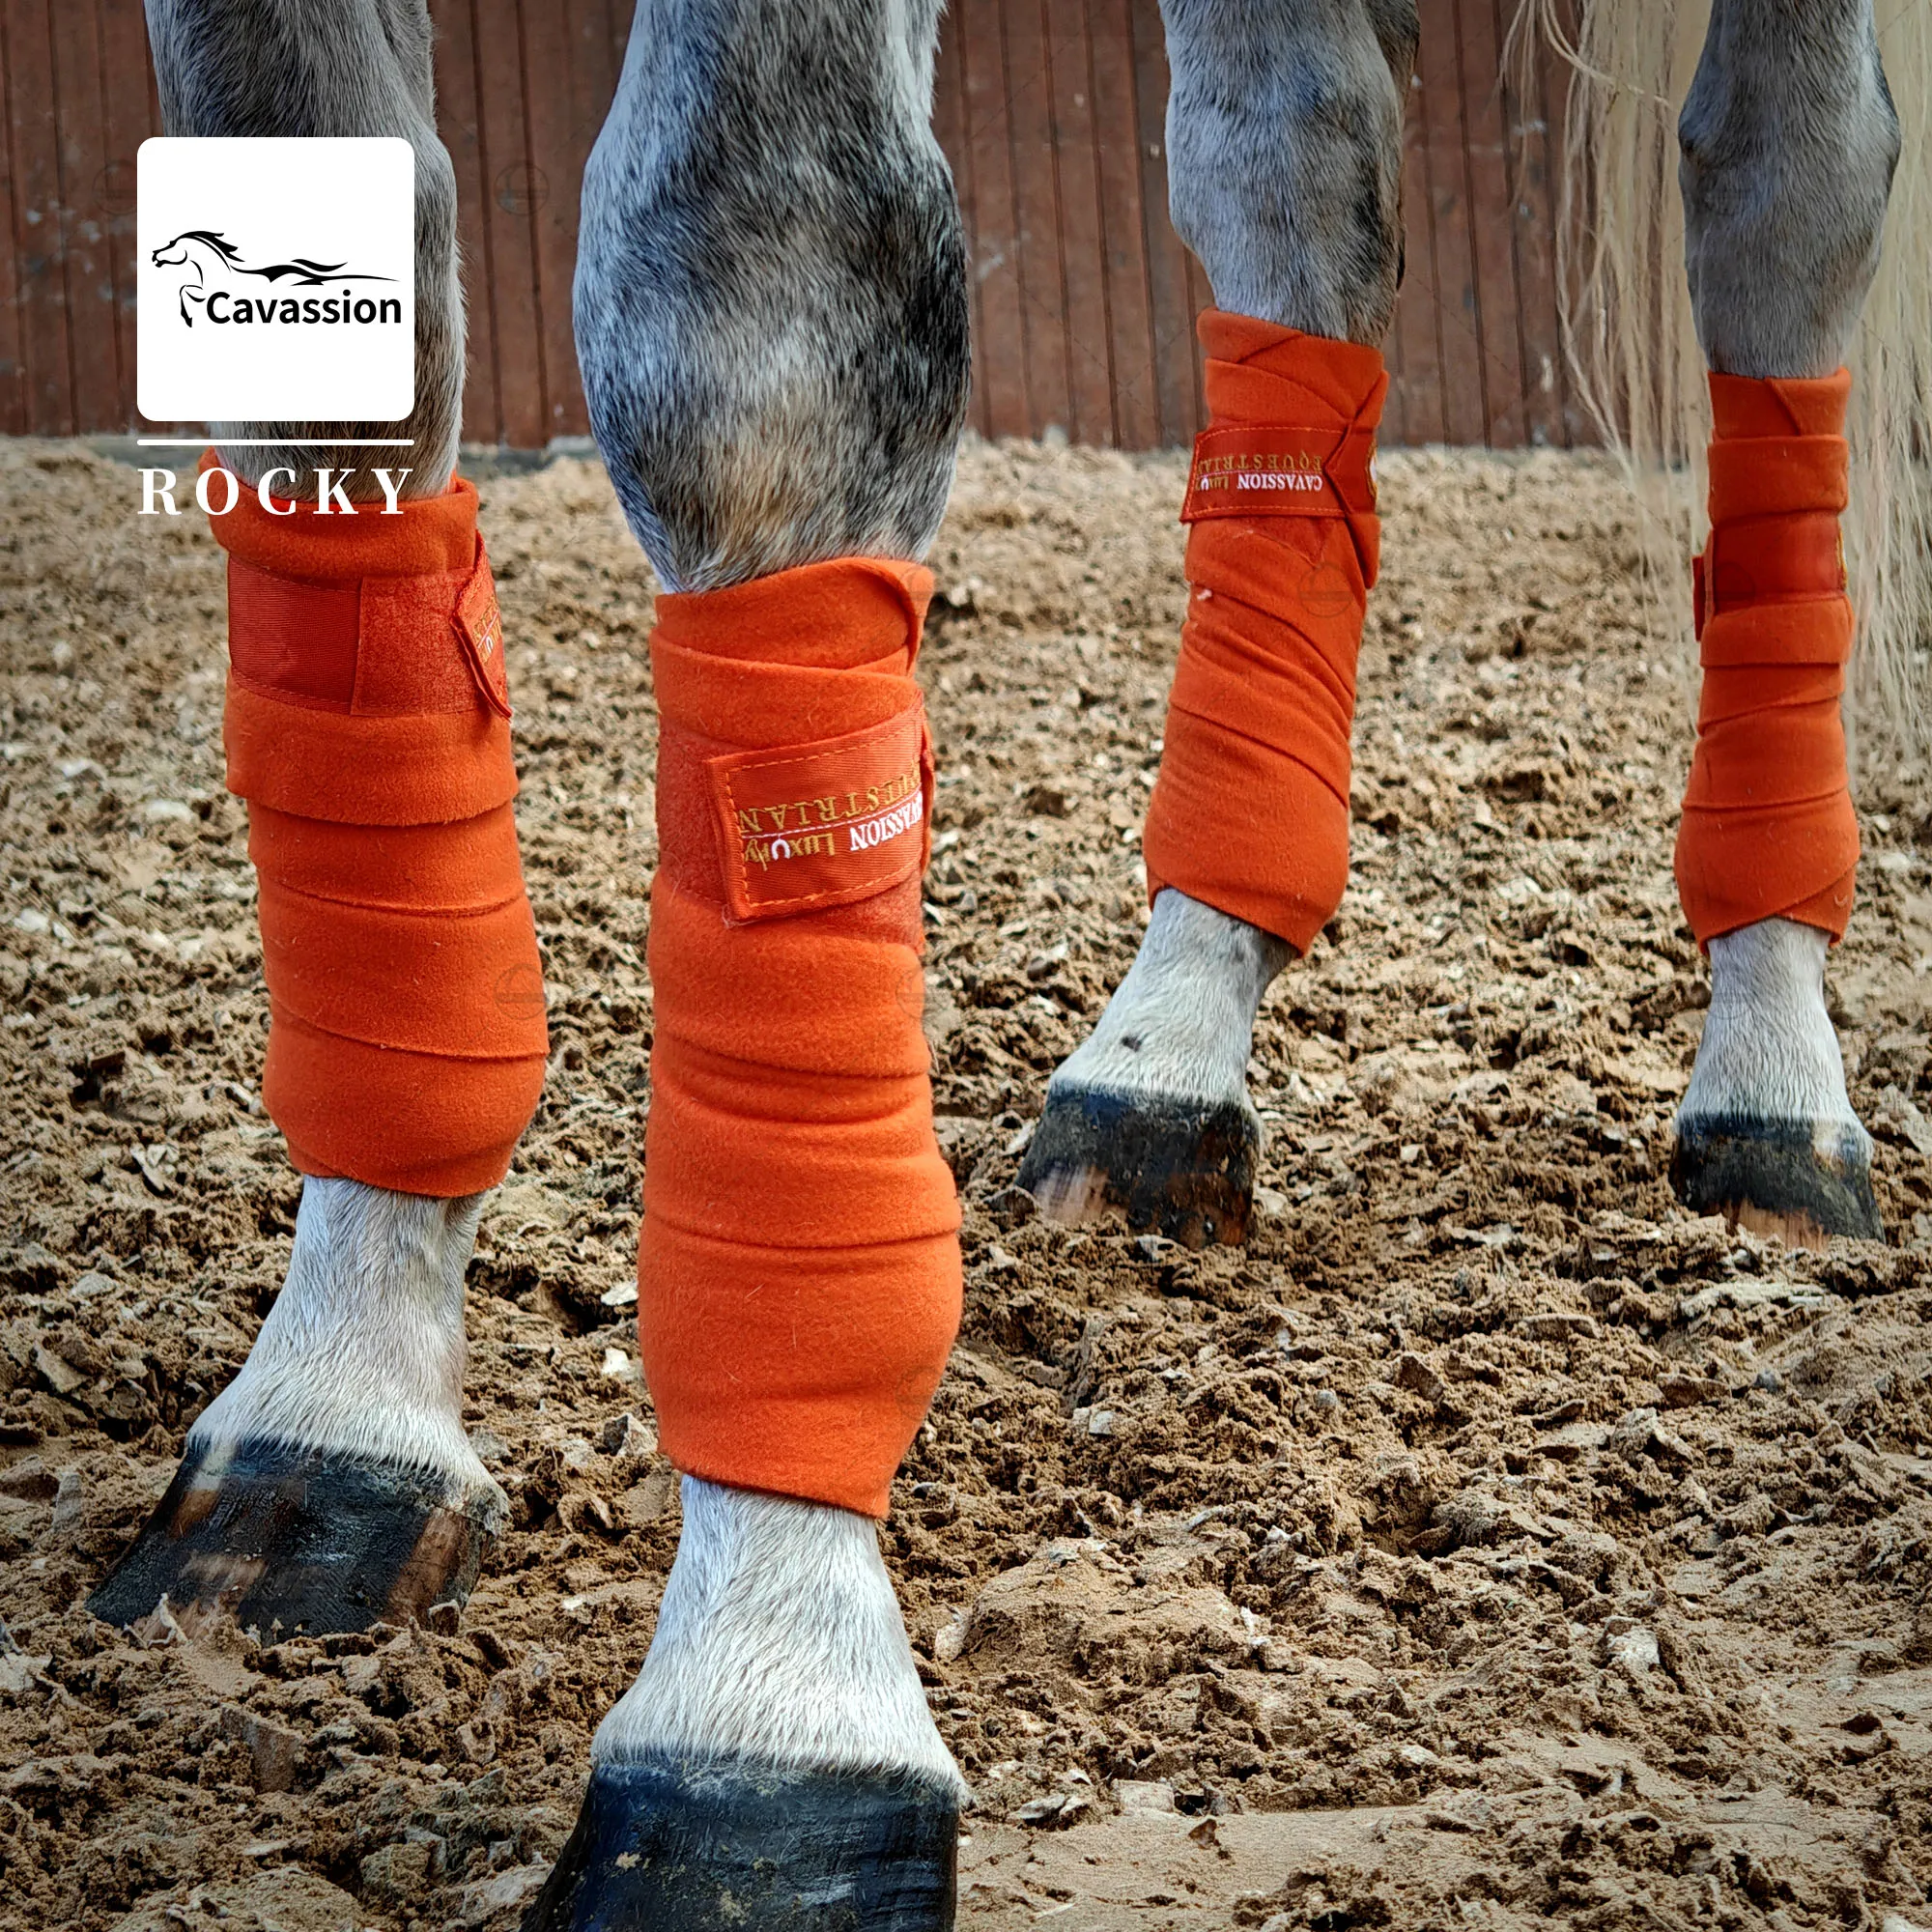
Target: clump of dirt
[[1488, 1543]]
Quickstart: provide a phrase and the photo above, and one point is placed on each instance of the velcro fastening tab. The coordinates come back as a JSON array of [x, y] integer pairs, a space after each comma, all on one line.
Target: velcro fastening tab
[[1255, 470], [480, 626], [824, 824], [293, 640]]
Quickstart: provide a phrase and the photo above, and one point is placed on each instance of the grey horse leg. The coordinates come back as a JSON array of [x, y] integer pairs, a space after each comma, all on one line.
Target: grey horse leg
[[333, 1483], [1789, 139], [771, 313], [771, 321], [1284, 142]]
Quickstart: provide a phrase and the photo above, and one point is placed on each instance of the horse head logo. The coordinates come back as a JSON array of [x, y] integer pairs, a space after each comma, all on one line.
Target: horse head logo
[[211, 261]]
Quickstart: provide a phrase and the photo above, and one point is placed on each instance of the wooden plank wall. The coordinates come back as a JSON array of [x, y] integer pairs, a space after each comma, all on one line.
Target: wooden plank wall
[[522, 90], [77, 101], [1051, 112]]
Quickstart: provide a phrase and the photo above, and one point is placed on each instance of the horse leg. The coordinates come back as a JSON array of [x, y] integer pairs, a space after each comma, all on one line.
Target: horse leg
[[332, 1484], [1284, 140], [333, 67], [771, 321], [1788, 140]]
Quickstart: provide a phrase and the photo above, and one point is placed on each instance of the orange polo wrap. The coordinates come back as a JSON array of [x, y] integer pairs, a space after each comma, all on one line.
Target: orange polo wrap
[[367, 725], [1767, 828], [1250, 813], [799, 1278]]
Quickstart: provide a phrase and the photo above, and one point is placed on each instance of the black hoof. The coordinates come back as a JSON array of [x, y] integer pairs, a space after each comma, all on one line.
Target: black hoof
[[308, 1539], [1777, 1177], [1185, 1169], [706, 1847]]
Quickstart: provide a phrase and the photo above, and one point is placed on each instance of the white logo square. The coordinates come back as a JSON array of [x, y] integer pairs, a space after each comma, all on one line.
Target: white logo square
[[276, 280]]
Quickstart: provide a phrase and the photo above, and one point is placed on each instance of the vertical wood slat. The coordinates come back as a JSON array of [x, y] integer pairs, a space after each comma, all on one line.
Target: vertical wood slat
[[1082, 270], [1533, 229], [33, 116], [1051, 113], [509, 194], [1200, 296], [1459, 317], [1130, 344], [132, 117], [460, 125], [1036, 203], [14, 382], [549, 192], [1420, 392], [994, 263], [1171, 307], [82, 163], [1498, 298], [569, 82], [555, 168]]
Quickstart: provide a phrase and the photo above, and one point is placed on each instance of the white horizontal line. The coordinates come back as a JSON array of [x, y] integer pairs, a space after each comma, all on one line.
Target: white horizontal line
[[278, 441]]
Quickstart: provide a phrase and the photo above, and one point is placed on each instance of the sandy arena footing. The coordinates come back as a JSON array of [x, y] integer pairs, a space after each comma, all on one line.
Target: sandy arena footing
[[1491, 1544]]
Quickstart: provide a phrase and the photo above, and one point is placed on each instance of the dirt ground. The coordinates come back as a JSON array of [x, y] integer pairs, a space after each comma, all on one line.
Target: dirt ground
[[1489, 1544]]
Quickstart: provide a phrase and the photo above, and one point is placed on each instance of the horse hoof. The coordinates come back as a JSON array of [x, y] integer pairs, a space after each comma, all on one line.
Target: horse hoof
[[1182, 1167], [684, 1848], [270, 1534], [1784, 1177]]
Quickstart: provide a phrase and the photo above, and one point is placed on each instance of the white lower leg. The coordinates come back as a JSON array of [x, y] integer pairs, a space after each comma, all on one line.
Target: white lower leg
[[1182, 1024], [363, 1351], [1769, 1052], [779, 1640]]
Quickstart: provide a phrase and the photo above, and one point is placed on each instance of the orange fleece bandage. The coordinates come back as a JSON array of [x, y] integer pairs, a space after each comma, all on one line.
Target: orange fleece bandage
[[1767, 828], [1250, 813], [799, 1280], [367, 725]]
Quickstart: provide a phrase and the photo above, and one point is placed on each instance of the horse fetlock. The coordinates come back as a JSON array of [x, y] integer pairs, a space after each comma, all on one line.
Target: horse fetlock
[[332, 1484], [1149, 1118], [363, 1351], [779, 1641], [1766, 1134]]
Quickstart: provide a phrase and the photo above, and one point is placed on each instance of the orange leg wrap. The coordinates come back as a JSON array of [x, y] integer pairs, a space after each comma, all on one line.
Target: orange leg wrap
[[368, 727], [1767, 828], [799, 1279], [1250, 813]]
